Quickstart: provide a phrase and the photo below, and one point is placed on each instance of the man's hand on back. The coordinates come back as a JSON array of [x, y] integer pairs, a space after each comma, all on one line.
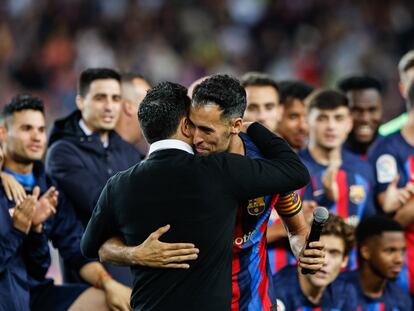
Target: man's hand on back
[[151, 253]]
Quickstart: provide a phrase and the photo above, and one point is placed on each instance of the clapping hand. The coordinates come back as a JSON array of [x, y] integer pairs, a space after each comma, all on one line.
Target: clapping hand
[[46, 205]]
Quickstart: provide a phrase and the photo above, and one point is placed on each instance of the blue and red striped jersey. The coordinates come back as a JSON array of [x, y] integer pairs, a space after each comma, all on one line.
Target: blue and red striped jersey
[[337, 296], [251, 275], [393, 298], [355, 182], [392, 156], [279, 252]]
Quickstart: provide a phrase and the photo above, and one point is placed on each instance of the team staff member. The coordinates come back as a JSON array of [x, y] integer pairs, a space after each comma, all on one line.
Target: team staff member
[[210, 224], [27, 244], [84, 150], [322, 290]]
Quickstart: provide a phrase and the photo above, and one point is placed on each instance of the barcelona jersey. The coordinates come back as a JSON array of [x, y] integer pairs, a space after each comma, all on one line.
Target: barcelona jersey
[[279, 252], [393, 298], [337, 296], [355, 182], [251, 275], [393, 156]]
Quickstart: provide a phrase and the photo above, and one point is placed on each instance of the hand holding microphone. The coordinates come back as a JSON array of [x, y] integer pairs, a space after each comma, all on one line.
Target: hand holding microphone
[[312, 258]]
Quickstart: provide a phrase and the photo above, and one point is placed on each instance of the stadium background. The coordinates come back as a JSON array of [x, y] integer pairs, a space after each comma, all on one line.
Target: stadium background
[[45, 43]]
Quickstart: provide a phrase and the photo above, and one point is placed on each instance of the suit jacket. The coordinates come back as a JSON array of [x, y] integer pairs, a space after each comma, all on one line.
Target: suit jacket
[[198, 196]]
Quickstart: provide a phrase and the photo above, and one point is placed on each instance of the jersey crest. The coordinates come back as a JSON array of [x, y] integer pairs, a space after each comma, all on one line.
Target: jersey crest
[[256, 206]]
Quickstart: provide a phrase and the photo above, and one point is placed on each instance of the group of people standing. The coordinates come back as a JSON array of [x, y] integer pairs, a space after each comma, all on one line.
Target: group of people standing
[[211, 209]]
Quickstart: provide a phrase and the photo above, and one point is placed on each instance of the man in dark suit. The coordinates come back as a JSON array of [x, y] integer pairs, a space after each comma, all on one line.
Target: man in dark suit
[[197, 195]]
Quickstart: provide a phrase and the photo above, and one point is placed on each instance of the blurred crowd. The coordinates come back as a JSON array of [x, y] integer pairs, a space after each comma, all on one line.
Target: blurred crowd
[[45, 43]]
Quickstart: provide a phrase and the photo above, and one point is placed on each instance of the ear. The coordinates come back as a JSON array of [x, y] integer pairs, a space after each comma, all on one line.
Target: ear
[[3, 133], [79, 102], [127, 107], [185, 127], [365, 253], [345, 262], [350, 124], [236, 126], [403, 89], [280, 111]]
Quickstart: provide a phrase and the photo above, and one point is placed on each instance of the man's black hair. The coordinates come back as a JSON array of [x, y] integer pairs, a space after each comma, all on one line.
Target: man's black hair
[[253, 78], [162, 109], [224, 91], [359, 83], [326, 100], [293, 89], [22, 102], [411, 96], [91, 74], [375, 226]]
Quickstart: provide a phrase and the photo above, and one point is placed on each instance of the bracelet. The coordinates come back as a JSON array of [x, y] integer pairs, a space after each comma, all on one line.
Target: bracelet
[[104, 276]]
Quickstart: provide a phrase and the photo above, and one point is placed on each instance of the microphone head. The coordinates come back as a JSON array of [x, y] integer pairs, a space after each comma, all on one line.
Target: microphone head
[[320, 214]]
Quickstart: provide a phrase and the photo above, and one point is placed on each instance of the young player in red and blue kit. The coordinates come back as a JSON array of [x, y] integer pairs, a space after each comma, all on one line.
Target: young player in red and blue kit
[[322, 290], [365, 101], [393, 157], [355, 184], [340, 181], [338, 296], [393, 161], [381, 247], [355, 189]]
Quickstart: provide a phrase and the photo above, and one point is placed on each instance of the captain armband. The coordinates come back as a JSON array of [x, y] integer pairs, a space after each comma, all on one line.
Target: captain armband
[[288, 205]]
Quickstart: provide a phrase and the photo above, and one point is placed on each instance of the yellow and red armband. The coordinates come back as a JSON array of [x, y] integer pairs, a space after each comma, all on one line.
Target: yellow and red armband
[[289, 204]]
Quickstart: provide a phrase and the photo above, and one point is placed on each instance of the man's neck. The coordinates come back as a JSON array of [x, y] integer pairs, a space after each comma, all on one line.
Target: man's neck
[[312, 293], [123, 129], [19, 168], [371, 284], [358, 147], [103, 134], [183, 138], [408, 129], [325, 156], [236, 145]]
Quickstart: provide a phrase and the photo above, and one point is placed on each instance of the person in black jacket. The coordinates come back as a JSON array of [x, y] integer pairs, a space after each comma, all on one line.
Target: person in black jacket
[[197, 195], [24, 249], [84, 150]]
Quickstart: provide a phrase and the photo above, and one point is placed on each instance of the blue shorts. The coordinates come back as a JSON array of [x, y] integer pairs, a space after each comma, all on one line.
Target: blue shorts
[[55, 297]]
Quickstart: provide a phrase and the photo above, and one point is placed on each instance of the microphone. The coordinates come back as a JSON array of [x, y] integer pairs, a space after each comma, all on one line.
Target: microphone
[[320, 216]]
